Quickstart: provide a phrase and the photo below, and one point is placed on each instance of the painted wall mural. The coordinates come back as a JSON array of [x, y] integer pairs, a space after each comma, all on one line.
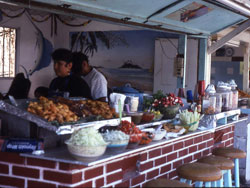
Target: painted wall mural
[[122, 56]]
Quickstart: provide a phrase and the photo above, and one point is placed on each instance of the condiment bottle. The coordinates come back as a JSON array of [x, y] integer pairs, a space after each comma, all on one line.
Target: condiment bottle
[[199, 105]]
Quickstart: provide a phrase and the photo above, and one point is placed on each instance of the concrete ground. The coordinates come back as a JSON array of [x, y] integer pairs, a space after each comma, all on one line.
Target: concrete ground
[[243, 183]]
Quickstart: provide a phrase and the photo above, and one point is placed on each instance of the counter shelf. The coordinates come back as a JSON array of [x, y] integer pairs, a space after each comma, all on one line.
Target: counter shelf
[[212, 121], [61, 154], [208, 121], [245, 110]]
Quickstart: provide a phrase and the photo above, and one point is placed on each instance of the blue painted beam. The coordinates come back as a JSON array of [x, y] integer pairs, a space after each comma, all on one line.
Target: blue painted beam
[[202, 61], [182, 50]]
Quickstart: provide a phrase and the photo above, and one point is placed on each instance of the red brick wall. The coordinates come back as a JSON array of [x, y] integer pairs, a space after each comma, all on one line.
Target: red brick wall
[[133, 170]]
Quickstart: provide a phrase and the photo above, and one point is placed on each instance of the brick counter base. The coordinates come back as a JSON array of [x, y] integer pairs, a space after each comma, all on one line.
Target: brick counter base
[[133, 170]]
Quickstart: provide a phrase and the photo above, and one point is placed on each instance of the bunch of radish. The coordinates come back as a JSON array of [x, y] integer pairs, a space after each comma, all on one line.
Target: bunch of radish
[[166, 101]]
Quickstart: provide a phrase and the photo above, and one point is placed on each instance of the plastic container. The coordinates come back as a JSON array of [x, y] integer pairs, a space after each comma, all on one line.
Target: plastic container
[[235, 94], [134, 102], [226, 95], [130, 92]]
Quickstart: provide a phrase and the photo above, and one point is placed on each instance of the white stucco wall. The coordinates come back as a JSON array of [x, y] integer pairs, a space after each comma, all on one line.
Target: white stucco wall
[[27, 51]]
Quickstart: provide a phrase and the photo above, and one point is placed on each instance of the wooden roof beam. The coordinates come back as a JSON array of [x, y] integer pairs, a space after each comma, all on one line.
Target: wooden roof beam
[[215, 46]]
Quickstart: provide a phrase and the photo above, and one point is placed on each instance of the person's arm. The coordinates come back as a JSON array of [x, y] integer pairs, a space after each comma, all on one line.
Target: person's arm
[[103, 99]]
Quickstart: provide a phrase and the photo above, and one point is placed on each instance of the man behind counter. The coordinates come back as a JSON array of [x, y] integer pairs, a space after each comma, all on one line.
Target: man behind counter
[[64, 82], [95, 80]]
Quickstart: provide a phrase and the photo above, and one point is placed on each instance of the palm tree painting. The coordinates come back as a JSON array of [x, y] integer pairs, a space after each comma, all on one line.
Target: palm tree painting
[[87, 42]]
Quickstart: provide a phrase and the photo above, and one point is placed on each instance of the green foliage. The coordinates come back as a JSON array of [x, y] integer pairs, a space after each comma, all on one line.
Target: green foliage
[[158, 95]]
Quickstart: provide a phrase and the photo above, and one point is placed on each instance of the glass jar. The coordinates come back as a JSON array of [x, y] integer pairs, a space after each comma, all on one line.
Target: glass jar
[[230, 105], [210, 90], [225, 95], [210, 107], [218, 104], [235, 94], [235, 98]]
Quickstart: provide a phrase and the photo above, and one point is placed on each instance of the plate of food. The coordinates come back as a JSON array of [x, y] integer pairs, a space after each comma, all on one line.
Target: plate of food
[[173, 130]]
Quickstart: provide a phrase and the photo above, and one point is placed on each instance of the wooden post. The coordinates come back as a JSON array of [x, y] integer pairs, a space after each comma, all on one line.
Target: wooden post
[[202, 59], [182, 50]]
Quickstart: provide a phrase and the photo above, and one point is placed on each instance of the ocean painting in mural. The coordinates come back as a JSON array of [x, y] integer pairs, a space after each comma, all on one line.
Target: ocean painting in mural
[[122, 56]]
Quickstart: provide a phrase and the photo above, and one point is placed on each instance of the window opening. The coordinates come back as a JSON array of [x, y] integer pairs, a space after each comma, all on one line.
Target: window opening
[[7, 52]]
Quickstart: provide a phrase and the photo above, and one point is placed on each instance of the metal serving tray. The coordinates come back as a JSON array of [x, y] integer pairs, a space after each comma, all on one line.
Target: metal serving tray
[[20, 110]]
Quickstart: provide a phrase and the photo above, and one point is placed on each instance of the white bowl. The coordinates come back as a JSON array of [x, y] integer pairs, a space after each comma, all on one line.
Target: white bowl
[[83, 152], [117, 147], [159, 134]]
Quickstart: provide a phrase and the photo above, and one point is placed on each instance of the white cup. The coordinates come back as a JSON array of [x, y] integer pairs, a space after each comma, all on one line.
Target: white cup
[[134, 102]]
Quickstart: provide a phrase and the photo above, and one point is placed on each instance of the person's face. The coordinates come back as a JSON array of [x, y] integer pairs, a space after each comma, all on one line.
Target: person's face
[[62, 69], [85, 68]]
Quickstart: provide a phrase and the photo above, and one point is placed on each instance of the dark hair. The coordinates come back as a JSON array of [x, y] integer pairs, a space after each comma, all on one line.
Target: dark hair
[[41, 91], [62, 54], [77, 59]]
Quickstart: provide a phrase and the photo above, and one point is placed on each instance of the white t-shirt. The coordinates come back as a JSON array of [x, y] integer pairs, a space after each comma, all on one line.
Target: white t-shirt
[[97, 83]]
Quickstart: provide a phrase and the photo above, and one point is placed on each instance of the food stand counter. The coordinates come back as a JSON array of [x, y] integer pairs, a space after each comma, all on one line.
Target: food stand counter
[[131, 168]]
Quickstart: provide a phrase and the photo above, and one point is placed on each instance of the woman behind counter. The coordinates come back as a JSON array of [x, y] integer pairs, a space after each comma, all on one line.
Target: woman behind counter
[[66, 82]]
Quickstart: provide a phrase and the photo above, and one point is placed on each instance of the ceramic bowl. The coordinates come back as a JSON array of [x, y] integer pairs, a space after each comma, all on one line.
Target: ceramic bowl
[[114, 148], [147, 117], [159, 134], [85, 152], [170, 112]]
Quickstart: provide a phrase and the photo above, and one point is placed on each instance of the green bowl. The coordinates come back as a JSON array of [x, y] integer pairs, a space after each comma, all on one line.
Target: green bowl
[[170, 112]]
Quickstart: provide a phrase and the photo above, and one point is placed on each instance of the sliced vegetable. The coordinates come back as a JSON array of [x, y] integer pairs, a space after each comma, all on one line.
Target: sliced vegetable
[[86, 137]]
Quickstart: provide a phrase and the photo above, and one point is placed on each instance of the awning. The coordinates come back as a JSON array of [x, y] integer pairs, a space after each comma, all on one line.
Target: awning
[[194, 17]]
